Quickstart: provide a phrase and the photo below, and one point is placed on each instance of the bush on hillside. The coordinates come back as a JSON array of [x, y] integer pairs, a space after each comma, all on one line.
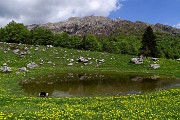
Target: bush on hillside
[[14, 33], [91, 43]]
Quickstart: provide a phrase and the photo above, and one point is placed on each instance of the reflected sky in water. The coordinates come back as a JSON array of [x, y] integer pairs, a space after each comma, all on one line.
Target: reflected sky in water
[[96, 84]]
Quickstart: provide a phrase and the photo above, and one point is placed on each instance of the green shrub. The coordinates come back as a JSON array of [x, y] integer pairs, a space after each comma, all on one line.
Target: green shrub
[[14, 33], [41, 36], [90, 42]]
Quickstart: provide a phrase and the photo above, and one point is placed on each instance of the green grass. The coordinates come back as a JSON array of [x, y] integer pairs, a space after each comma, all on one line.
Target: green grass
[[16, 105]]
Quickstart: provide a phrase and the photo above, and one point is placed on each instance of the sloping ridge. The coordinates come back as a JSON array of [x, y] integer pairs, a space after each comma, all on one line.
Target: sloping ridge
[[100, 25]]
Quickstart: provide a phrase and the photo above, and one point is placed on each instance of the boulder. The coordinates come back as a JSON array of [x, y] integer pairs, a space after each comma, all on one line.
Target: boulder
[[6, 69], [136, 60], [16, 51], [71, 60], [23, 53], [23, 69], [49, 46], [32, 65], [70, 64], [154, 59], [82, 59], [154, 66], [37, 48], [178, 59], [100, 61]]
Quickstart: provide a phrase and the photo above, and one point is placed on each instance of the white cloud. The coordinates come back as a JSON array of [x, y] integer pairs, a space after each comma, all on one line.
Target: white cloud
[[43, 11], [177, 26]]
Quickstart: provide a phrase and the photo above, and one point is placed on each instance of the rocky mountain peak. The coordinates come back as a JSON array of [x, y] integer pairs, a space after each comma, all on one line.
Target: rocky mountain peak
[[100, 25]]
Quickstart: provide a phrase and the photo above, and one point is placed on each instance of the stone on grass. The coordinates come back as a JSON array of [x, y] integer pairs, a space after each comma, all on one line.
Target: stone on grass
[[49, 62], [154, 59], [37, 48], [23, 53], [82, 59], [49, 46], [154, 66], [5, 68], [23, 69], [17, 72], [100, 61], [32, 65], [178, 59], [16, 51], [71, 60], [70, 64], [136, 60], [85, 63]]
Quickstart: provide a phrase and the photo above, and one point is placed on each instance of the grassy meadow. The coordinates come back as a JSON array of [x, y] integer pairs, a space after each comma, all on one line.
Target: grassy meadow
[[15, 104]]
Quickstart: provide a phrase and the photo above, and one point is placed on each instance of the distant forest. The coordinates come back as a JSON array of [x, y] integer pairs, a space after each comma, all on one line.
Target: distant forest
[[150, 43]]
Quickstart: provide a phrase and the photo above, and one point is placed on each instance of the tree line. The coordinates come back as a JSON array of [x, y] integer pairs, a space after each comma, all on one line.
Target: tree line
[[149, 44]]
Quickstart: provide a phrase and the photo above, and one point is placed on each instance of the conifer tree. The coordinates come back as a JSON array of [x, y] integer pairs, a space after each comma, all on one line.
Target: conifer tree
[[149, 44]]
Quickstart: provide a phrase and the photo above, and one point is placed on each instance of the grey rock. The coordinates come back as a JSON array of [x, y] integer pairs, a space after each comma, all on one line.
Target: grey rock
[[82, 59], [23, 69], [32, 65], [178, 59], [49, 46], [100, 61], [154, 66], [136, 60], [23, 53], [6, 69], [70, 64], [154, 59], [16, 51]]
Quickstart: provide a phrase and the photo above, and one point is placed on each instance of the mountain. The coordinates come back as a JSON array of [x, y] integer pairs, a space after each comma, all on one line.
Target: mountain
[[103, 26]]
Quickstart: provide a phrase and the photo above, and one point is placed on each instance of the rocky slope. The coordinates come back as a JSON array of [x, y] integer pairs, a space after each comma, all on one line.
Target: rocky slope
[[99, 25]]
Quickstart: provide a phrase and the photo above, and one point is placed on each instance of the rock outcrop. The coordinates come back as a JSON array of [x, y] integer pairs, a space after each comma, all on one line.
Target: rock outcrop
[[167, 28], [100, 25]]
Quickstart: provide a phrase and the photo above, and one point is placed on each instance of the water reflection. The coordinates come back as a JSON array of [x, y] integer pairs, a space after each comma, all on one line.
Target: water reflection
[[71, 84]]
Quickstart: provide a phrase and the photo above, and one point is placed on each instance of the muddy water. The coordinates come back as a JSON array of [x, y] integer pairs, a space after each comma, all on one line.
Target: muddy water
[[96, 84]]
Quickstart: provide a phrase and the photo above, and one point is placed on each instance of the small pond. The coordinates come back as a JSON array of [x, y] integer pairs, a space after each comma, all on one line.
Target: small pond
[[96, 84]]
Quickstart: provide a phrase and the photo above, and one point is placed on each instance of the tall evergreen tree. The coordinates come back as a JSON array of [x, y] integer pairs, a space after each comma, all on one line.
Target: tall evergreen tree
[[149, 44]]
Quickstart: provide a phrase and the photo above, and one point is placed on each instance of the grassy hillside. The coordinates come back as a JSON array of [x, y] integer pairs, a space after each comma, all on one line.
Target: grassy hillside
[[15, 105]]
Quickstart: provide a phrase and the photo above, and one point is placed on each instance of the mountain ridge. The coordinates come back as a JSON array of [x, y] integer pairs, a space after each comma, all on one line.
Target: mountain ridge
[[102, 26]]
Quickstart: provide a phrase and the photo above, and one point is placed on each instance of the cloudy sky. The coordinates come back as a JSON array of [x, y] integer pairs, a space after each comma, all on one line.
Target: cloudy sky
[[43, 11]]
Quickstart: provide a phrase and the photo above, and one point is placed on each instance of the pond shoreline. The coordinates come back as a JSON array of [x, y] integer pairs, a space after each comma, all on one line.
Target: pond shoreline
[[96, 84]]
